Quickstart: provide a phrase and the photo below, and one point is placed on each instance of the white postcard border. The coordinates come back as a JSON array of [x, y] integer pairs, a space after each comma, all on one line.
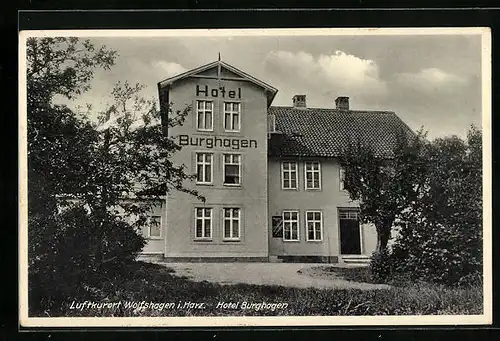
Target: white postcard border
[[196, 321]]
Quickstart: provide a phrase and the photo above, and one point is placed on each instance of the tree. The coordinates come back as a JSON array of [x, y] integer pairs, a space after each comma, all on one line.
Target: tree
[[57, 138], [91, 184], [58, 142], [384, 185], [131, 167], [443, 239]]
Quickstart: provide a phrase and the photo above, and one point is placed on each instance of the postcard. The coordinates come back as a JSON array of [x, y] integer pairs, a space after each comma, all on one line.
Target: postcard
[[244, 177]]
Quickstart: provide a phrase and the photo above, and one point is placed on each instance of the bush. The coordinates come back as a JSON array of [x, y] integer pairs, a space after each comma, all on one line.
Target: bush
[[432, 252], [380, 266], [63, 258], [442, 238]]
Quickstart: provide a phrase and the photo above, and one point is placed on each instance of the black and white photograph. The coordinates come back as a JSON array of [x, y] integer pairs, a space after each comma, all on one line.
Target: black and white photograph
[[244, 177]]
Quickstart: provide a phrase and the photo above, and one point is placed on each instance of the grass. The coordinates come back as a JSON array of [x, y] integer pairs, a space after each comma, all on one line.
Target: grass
[[155, 283], [354, 274]]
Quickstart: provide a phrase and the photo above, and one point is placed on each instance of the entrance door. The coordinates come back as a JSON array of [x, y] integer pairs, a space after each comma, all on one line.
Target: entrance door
[[350, 235]]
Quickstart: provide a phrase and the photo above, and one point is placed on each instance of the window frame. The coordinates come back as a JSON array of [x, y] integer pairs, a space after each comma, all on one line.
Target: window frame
[[231, 219], [232, 113], [290, 172], [240, 166], [291, 221], [314, 227], [341, 179], [204, 163], [149, 236], [204, 114], [203, 218], [313, 171], [349, 211]]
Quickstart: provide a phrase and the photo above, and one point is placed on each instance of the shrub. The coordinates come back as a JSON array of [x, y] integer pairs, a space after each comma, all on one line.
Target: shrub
[[380, 266], [443, 254], [62, 256], [442, 239]]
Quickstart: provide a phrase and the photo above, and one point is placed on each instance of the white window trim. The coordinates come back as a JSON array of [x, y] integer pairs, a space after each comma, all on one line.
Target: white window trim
[[239, 170], [341, 179], [283, 175], [231, 218], [205, 163], [312, 171], [212, 116], [203, 225], [314, 231], [232, 113], [149, 227], [298, 225]]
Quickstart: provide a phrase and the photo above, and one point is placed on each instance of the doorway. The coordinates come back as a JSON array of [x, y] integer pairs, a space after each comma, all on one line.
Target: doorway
[[350, 232]]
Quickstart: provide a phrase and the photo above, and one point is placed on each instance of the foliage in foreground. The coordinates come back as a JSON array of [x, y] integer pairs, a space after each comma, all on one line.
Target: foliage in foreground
[[432, 192], [442, 238], [155, 283], [384, 184], [91, 185]]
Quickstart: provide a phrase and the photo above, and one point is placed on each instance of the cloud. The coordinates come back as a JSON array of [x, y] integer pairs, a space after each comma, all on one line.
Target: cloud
[[430, 80], [354, 71], [338, 72], [169, 69]]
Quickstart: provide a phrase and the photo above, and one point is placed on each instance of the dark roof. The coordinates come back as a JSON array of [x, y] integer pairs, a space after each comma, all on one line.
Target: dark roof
[[327, 132]]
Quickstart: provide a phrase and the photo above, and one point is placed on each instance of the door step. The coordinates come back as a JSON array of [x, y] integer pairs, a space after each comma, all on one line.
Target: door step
[[360, 260]]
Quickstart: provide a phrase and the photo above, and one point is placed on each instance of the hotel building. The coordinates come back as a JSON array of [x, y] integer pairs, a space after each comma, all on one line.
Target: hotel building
[[270, 174]]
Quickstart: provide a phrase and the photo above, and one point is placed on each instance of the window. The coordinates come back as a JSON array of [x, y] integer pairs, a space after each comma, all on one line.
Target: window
[[204, 115], [314, 223], [290, 225], [204, 168], [341, 178], [154, 227], [312, 170], [232, 169], [232, 116], [232, 223], [289, 175], [349, 214], [203, 223]]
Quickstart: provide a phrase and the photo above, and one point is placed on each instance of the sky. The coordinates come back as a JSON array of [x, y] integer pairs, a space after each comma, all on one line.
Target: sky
[[430, 81]]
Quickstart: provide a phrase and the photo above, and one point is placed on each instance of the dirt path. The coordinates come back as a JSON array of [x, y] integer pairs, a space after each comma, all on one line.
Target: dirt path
[[296, 275]]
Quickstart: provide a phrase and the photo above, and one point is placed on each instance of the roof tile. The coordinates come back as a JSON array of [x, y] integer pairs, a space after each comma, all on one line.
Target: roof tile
[[326, 132]]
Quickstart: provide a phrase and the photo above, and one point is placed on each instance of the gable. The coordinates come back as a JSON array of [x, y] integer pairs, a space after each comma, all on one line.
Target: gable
[[227, 73], [221, 70], [214, 72]]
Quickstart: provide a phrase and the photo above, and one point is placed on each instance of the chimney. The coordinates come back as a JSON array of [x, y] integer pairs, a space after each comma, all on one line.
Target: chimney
[[342, 103], [299, 101]]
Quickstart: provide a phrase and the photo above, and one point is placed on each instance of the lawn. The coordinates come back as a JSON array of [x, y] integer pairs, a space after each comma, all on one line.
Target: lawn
[[175, 296]]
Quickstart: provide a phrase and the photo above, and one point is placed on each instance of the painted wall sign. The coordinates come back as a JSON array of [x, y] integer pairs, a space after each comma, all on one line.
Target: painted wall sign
[[211, 142], [216, 92]]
